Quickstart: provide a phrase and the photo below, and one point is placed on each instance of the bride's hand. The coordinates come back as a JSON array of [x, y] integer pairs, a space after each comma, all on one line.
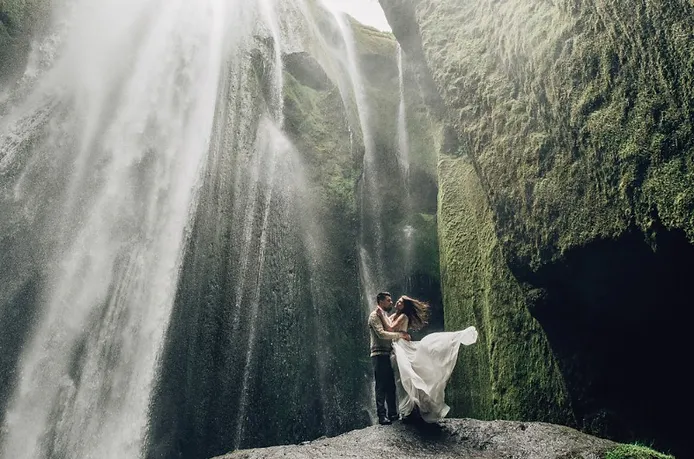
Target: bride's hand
[[406, 336]]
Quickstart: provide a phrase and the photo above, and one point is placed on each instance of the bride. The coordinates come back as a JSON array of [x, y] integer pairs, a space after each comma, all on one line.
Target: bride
[[422, 368]]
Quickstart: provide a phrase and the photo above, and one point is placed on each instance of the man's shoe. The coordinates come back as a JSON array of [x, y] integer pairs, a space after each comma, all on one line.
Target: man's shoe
[[394, 417], [384, 421]]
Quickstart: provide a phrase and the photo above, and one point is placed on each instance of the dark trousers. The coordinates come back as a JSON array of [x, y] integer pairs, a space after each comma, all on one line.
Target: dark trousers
[[385, 386]]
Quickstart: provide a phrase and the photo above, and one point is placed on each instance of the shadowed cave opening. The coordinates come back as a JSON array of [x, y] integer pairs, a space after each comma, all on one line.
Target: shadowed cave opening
[[618, 316]]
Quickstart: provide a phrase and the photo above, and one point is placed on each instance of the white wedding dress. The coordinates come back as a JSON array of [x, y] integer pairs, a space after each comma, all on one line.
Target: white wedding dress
[[423, 368]]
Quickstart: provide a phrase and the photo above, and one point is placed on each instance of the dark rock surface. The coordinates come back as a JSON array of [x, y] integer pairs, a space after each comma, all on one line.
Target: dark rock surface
[[565, 206], [452, 438]]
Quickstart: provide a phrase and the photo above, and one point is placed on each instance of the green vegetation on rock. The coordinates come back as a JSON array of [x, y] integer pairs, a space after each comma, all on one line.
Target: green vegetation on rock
[[316, 122], [580, 125], [510, 372], [570, 124], [373, 41], [635, 452]]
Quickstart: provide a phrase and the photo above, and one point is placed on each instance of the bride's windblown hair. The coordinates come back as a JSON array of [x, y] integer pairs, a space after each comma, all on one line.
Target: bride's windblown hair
[[416, 311]]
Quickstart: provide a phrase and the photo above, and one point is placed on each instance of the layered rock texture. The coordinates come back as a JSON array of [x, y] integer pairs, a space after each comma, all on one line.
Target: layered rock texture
[[455, 438], [566, 205], [268, 343]]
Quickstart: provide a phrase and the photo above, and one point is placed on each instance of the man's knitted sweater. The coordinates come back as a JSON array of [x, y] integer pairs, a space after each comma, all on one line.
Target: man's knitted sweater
[[381, 340]]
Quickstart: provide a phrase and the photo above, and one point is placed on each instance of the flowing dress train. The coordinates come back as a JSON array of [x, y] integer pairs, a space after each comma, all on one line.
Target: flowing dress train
[[423, 368]]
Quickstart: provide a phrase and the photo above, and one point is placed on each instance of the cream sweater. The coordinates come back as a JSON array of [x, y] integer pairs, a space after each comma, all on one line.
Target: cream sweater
[[381, 340]]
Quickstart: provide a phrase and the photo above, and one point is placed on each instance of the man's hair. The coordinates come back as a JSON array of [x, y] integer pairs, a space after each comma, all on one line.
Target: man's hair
[[382, 296]]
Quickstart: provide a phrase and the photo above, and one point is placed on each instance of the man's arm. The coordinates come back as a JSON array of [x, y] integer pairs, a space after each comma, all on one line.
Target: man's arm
[[385, 320], [377, 326]]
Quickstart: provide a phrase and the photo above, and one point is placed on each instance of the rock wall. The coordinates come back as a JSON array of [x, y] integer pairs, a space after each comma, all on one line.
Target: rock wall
[[19, 19], [574, 119], [267, 342], [512, 373], [295, 366]]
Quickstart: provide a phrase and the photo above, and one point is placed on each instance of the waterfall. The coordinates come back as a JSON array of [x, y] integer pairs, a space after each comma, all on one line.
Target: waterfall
[[269, 13], [272, 149], [403, 142], [256, 316], [106, 173], [372, 262], [403, 136], [173, 284], [273, 145]]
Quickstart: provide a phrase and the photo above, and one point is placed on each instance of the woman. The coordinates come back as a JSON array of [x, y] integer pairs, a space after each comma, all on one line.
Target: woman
[[422, 368]]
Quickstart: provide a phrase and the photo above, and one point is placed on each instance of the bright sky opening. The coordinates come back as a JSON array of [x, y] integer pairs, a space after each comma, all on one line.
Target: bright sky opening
[[367, 12]]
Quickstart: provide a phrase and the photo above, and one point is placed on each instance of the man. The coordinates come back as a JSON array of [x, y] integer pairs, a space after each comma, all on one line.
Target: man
[[381, 348]]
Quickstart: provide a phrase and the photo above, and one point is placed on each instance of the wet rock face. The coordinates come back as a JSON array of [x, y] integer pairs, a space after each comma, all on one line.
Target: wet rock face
[[19, 19], [453, 438], [565, 206], [616, 313], [579, 124], [307, 71], [307, 372]]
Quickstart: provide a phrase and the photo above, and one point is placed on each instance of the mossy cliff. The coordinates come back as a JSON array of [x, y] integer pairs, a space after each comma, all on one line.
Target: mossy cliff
[[268, 342], [512, 373], [406, 196], [252, 322], [573, 121]]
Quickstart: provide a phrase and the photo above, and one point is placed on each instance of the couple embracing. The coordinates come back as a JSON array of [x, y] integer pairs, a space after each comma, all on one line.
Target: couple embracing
[[411, 376]]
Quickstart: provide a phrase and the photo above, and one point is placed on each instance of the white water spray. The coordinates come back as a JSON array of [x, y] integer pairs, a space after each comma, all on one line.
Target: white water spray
[[370, 202], [141, 78], [404, 161]]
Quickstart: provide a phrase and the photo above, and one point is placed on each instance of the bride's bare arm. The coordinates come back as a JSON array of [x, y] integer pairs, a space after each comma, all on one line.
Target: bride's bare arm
[[390, 324], [398, 320]]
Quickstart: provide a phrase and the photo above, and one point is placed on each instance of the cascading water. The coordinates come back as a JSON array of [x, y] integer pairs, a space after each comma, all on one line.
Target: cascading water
[[126, 126], [404, 161], [254, 314], [176, 283], [272, 144], [372, 257], [403, 136]]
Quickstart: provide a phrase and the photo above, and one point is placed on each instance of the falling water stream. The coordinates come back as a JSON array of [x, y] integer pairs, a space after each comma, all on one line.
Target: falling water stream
[[403, 143], [124, 117], [143, 155], [371, 251]]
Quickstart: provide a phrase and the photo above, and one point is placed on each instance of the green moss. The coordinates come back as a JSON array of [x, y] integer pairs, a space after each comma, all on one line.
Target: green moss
[[316, 121], [572, 124], [424, 132], [7, 30], [5, 37], [426, 245], [373, 41], [510, 372], [573, 118], [635, 452]]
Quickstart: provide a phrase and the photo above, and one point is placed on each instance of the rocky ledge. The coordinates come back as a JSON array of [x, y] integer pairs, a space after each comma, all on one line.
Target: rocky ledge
[[452, 438]]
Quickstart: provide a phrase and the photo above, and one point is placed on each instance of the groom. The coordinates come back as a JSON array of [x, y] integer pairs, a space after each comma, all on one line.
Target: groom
[[381, 348]]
